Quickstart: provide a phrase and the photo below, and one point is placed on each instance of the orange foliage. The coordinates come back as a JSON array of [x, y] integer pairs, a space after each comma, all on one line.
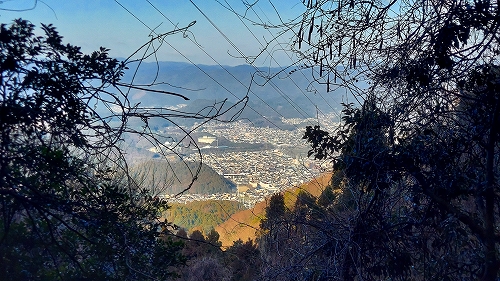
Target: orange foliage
[[244, 224]]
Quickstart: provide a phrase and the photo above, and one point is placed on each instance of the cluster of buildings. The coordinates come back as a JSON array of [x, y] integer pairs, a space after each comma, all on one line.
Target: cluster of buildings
[[258, 174], [248, 198], [245, 132]]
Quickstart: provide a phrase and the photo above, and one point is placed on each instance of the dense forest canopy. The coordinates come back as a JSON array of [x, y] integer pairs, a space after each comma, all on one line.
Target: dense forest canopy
[[202, 215]]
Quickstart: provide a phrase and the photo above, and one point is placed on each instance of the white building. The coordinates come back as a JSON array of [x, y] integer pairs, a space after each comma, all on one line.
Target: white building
[[207, 139]]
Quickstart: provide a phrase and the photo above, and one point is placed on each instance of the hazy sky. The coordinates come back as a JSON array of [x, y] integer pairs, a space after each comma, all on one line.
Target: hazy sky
[[94, 23]]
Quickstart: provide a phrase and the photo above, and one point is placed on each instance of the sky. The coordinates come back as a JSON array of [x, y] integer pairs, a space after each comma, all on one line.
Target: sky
[[123, 26]]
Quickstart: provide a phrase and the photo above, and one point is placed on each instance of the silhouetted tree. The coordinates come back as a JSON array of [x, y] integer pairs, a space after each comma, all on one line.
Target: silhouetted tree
[[69, 208], [244, 260], [208, 268], [418, 153]]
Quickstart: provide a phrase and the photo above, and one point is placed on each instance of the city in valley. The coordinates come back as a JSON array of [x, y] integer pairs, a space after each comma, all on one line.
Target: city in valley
[[260, 161]]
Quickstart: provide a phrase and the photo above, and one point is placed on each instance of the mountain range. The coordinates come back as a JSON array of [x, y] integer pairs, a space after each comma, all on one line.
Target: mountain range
[[272, 92]]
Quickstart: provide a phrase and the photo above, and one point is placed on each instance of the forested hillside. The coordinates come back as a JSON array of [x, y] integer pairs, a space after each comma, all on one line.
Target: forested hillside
[[234, 250], [201, 215], [245, 224], [172, 177]]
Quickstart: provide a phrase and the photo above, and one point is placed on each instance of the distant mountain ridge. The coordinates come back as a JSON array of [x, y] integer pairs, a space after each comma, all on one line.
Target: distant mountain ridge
[[285, 95]]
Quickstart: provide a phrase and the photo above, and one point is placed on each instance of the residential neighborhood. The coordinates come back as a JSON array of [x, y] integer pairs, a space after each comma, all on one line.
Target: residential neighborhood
[[283, 163]]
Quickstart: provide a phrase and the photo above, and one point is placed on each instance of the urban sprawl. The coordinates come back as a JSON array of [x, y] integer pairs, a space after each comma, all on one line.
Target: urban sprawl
[[257, 173]]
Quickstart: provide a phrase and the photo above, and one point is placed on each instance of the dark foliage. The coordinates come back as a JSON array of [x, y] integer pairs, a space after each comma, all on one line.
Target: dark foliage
[[207, 261], [416, 159], [69, 209]]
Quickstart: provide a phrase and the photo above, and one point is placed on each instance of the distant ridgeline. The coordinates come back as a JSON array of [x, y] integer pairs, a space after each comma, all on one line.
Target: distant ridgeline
[[203, 91], [172, 177]]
